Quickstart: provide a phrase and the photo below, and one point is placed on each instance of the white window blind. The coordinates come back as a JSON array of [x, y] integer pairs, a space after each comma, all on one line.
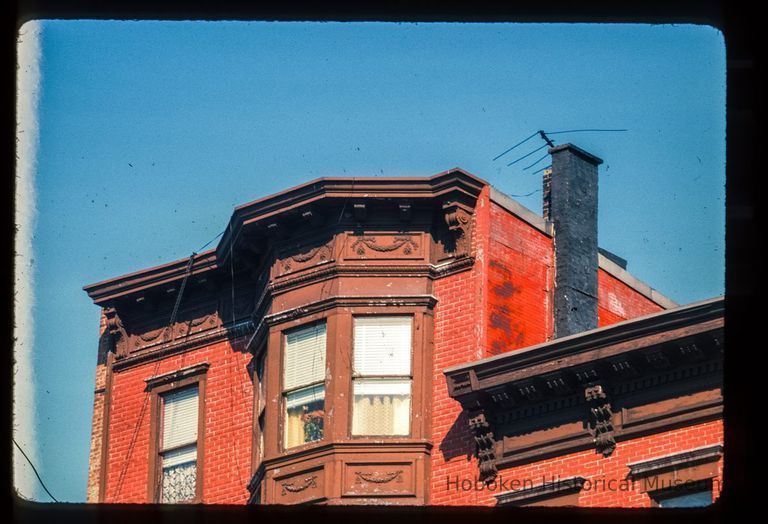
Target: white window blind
[[304, 356], [383, 345], [180, 411], [180, 456]]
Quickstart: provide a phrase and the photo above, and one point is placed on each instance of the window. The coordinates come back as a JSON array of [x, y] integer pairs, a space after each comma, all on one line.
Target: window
[[381, 379], [178, 445], [695, 495], [304, 384]]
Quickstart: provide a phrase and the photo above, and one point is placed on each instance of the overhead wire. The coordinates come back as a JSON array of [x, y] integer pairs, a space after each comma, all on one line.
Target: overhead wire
[[34, 469]]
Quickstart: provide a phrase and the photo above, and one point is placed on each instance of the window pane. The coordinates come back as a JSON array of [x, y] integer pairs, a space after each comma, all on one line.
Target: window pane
[[381, 407], [180, 410], [687, 500], [383, 345], [179, 475], [304, 356], [305, 410]]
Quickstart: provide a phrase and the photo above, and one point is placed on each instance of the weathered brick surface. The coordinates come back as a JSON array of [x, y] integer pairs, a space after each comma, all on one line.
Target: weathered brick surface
[[616, 301], [510, 291], [228, 425], [603, 473], [519, 284], [97, 423]]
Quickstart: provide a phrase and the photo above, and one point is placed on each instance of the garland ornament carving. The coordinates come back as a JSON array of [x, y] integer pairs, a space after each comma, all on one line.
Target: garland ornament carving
[[384, 479], [323, 253], [600, 421], [406, 242], [486, 444], [290, 487]]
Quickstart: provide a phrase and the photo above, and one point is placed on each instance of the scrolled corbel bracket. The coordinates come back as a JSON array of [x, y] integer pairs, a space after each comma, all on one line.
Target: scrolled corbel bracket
[[458, 218], [116, 331], [600, 419], [486, 443]]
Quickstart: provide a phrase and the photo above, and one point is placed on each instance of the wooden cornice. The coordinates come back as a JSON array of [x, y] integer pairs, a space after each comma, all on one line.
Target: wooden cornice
[[108, 290], [607, 347], [452, 185]]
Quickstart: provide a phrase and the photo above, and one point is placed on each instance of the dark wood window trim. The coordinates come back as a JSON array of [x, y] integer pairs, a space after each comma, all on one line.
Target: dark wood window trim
[[259, 406], [176, 380], [560, 492], [282, 414]]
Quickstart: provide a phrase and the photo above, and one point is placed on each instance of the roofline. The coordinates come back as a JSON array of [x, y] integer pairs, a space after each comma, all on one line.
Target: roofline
[[343, 187], [620, 331], [606, 264], [347, 187], [434, 186]]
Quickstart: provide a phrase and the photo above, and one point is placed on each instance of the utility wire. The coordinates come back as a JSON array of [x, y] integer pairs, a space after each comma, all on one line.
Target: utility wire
[[35, 470]]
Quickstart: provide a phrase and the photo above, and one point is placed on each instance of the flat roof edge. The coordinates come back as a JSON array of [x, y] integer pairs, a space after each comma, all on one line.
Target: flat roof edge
[[615, 270]]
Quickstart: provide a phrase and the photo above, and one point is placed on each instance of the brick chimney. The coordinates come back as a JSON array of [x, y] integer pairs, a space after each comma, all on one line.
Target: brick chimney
[[570, 202]]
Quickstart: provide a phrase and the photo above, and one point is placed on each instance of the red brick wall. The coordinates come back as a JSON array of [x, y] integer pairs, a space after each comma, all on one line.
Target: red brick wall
[[458, 338], [597, 469], [509, 291], [519, 283], [616, 301], [228, 428]]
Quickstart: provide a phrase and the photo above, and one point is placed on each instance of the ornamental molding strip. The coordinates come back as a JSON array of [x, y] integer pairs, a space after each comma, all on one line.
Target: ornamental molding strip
[[174, 376], [685, 459]]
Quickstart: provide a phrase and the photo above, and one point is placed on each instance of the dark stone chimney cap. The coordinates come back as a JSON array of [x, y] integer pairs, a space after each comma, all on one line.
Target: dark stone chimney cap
[[592, 159]]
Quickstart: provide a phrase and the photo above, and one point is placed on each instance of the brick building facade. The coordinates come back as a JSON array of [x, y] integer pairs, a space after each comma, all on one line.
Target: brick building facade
[[315, 353]]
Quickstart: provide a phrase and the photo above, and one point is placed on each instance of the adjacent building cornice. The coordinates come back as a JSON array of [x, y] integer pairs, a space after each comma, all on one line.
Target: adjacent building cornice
[[587, 347]]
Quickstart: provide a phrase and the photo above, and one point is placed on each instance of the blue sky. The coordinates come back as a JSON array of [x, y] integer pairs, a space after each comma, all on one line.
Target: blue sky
[[151, 132]]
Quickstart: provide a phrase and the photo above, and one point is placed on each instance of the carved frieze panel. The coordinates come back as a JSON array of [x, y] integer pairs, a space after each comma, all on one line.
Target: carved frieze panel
[[390, 246], [296, 258], [190, 322], [378, 479], [299, 487]]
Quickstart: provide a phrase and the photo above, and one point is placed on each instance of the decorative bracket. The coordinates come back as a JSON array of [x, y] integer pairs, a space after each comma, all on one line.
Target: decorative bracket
[[600, 420], [458, 218], [116, 331], [486, 443]]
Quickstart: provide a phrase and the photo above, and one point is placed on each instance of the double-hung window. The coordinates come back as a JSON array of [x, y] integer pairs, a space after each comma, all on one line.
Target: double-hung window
[[178, 445], [381, 378], [304, 384]]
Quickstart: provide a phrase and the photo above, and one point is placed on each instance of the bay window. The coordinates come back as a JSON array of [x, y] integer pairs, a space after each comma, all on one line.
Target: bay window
[[381, 378], [304, 384]]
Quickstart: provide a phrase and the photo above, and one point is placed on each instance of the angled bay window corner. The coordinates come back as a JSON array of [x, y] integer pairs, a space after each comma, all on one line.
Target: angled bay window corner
[[304, 384]]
